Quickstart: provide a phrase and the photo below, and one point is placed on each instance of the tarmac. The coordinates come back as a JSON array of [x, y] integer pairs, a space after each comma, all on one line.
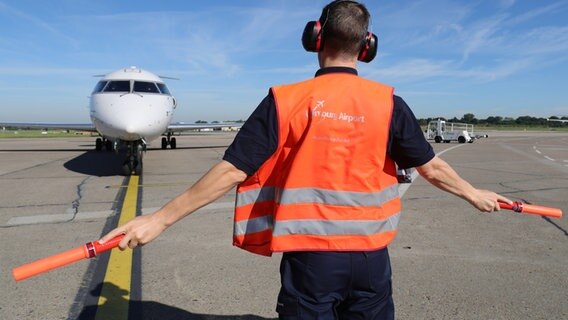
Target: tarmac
[[449, 260]]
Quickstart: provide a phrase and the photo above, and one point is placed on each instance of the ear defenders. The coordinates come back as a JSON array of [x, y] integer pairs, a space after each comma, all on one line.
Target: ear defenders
[[312, 39]]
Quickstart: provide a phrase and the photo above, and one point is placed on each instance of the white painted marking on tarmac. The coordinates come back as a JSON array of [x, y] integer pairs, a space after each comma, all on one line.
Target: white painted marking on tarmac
[[58, 217], [549, 158], [81, 216], [537, 151], [403, 187]]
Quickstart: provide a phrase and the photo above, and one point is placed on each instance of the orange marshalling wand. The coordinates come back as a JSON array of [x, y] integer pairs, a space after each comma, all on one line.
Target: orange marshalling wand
[[87, 251], [91, 249], [532, 209]]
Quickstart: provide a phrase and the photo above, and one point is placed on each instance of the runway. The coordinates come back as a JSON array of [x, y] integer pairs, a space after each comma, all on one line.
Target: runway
[[449, 261]]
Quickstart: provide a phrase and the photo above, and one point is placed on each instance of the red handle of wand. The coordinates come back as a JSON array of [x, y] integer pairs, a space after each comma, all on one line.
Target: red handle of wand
[[532, 209], [87, 251]]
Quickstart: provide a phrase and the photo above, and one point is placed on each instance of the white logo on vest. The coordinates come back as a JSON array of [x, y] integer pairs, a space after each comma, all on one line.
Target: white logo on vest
[[317, 112]]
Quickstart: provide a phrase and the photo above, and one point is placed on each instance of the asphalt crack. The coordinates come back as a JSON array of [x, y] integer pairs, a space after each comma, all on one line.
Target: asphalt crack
[[75, 204], [72, 211]]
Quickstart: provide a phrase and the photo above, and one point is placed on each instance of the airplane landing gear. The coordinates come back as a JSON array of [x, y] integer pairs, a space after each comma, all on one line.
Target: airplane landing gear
[[133, 163], [169, 141], [99, 143]]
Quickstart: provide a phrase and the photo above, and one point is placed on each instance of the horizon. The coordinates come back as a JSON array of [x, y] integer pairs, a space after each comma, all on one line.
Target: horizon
[[445, 58]]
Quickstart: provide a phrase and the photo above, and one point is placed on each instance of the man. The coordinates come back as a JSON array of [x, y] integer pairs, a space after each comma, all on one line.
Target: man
[[316, 176]]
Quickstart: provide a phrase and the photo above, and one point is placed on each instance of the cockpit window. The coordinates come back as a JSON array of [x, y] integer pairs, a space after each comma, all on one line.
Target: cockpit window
[[118, 86], [99, 87], [163, 88], [145, 87]]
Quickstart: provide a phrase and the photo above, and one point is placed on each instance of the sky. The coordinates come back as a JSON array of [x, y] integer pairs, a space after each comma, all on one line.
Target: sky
[[444, 58]]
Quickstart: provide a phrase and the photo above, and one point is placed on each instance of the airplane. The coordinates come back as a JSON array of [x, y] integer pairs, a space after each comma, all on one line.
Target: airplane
[[129, 108], [558, 120]]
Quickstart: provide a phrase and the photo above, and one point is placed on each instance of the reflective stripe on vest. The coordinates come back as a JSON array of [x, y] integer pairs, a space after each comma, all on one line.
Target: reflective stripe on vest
[[315, 195], [311, 195], [316, 227], [254, 225]]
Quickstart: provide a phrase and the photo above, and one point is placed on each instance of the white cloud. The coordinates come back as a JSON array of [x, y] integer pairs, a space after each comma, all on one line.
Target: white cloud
[[480, 36], [506, 4], [413, 69], [420, 69], [501, 70], [37, 22], [307, 69], [429, 39], [46, 71], [539, 11]]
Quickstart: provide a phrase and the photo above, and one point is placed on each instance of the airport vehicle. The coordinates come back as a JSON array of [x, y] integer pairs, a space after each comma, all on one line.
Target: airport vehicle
[[129, 108], [442, 131]]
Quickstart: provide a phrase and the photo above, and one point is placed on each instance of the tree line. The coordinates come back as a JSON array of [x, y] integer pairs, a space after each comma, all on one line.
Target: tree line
[[471, 119], [504, 121]]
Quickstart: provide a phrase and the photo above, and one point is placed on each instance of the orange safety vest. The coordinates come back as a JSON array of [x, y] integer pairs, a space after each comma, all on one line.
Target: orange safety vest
[[330, 185]]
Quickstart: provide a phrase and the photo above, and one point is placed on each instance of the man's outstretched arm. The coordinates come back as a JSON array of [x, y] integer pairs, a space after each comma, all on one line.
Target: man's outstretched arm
[[216, 182], [439, 173]]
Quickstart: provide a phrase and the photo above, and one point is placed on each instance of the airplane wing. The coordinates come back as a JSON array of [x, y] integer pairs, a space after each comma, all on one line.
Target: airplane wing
[[50, 125], [179, 127]]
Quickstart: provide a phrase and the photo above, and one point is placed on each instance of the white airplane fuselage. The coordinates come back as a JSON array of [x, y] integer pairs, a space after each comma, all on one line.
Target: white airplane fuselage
[[141, 109]]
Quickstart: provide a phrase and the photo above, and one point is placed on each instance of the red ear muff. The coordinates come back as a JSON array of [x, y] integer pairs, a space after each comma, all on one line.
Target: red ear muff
[[370, 48], [311, 38]]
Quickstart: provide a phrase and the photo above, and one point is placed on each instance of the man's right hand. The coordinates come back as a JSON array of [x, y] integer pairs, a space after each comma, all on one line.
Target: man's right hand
[[487, 201], [137, 232]]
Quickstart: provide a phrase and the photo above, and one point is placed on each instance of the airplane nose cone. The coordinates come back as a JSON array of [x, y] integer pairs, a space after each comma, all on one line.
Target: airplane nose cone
[[132, 132]]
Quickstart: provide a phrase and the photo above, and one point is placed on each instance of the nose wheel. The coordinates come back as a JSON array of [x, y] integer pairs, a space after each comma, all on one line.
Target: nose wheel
[[169, 141], [133, 163], [99, 143]]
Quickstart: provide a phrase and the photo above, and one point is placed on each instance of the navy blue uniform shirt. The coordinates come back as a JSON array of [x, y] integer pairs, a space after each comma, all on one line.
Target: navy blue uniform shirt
[[257, 139]]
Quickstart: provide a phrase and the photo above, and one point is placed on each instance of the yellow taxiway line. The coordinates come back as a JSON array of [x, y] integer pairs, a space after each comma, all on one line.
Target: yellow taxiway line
[[115, 294]]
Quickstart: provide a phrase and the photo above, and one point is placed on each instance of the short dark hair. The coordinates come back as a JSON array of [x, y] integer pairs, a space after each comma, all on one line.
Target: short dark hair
[[344, 26]]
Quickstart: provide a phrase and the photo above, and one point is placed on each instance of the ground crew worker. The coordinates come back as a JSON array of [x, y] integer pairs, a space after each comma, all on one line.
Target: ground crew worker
[[314, 167]]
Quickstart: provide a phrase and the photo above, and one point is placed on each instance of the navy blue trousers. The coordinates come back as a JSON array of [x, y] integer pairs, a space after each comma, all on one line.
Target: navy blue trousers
[[335, 285]]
